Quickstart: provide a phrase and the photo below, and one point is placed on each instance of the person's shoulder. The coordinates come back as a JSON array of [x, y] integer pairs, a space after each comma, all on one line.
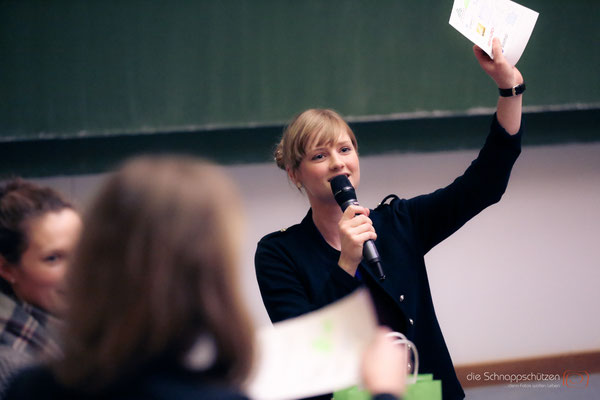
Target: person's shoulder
[[281, 243], [11, 363], [36, 382], [7, 304], [392, 208], [282, 234], [168, 385], [389, 203], [11, 356]]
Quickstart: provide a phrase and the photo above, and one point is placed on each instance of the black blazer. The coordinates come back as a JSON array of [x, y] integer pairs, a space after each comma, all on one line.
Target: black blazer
[[297, 270]]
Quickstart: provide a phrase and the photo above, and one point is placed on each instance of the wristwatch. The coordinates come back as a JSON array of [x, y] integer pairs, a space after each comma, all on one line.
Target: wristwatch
[[514, 91]]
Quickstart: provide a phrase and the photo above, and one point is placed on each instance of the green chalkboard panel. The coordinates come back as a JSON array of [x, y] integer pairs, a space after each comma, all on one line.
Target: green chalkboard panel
[[86, 155], [76, 68]]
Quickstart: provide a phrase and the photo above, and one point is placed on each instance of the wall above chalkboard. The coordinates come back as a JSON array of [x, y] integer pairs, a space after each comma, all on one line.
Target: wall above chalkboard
[[72, 69]]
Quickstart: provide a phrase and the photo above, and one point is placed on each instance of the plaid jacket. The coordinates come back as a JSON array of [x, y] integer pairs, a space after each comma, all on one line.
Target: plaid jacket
[[27, 329]]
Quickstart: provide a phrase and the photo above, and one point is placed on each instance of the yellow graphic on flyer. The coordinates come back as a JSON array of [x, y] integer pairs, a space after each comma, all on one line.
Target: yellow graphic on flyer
[[481, 29]]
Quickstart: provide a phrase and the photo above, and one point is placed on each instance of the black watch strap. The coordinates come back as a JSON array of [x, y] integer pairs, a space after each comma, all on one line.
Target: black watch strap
[[514, 91]]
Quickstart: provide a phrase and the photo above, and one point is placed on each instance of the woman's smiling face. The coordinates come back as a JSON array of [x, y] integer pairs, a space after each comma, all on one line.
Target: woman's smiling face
[[324, 161], [38, 278]]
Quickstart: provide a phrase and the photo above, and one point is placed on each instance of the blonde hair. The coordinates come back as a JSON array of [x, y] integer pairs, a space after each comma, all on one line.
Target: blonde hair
[[313, 126], [155, 270]]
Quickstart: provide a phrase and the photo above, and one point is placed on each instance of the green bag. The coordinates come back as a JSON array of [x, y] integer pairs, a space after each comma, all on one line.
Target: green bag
[[418, 386], [425, 388]]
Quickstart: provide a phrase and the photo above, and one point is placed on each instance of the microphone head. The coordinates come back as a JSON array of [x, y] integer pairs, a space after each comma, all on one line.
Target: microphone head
[[343, 191]]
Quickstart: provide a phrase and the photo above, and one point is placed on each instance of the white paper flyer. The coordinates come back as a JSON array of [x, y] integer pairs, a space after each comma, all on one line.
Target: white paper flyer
[[482, 20], [314, 354]]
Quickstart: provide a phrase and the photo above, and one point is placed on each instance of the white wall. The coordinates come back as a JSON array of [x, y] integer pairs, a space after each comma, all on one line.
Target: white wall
[[519, 280]]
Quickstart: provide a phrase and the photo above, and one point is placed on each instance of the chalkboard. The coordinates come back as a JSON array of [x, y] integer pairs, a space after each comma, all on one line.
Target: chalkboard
[[71, 69]]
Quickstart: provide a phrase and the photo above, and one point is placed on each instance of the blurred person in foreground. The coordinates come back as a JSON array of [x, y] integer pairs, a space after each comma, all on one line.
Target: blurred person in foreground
[[38, 231], [155, 307]]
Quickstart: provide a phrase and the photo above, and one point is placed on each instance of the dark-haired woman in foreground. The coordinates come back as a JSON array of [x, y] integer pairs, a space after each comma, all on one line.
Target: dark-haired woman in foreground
[[38, 231], [155, 309]]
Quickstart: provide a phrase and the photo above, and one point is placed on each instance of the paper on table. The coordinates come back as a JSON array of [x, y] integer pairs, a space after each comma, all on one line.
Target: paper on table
[[482, 20], [316, 353]]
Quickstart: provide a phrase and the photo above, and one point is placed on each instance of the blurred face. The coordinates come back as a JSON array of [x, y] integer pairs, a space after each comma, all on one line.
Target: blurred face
[[321, 163], [38, 278]]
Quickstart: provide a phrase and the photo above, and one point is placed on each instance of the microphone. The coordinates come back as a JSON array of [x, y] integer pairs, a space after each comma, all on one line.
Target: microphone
[[345, 195]]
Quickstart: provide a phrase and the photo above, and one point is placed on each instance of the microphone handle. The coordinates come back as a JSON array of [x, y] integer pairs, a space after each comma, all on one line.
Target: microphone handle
[[370, 252]]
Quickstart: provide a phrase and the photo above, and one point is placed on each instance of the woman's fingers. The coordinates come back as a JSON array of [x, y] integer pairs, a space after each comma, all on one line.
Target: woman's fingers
[[357, 225], [359, 220], [384, 365], [353, 211], [355, 229], [497, 51], [481, 55], [499, 69]]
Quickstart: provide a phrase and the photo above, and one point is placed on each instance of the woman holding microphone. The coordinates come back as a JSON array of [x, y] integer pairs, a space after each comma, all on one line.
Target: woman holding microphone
[[320, 260]]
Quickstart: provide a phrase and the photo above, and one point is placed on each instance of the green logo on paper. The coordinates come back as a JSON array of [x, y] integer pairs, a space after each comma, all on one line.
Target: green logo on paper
[[324, 342]]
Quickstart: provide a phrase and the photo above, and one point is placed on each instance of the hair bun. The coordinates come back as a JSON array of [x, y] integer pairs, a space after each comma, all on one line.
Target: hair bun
[[278, 156]]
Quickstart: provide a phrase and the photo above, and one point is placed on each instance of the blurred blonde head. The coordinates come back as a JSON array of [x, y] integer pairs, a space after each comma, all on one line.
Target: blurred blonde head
[[156, 270]]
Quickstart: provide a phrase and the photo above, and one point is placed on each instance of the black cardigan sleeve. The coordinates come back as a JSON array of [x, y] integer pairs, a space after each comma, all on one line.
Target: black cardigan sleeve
[[437, 215], [281, 289], [296, 274]]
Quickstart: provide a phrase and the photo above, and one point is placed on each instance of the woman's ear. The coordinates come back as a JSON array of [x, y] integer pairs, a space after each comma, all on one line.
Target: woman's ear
[[7, 270], [293, 175]]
